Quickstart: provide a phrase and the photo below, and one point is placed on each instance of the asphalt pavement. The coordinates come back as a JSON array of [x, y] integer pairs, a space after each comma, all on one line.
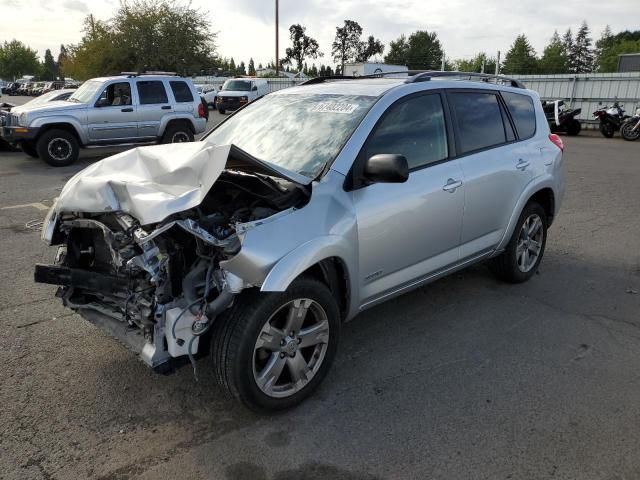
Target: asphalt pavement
[[466, 378]]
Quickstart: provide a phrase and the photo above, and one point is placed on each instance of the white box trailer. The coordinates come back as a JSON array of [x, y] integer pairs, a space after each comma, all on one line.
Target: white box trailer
[[372, 68]]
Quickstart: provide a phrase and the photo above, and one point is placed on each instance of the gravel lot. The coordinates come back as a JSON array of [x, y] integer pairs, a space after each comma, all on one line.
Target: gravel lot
[[465, 378]]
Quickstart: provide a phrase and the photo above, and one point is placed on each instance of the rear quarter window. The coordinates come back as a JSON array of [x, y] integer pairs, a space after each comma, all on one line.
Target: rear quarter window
[[181, 91], [522, 112]]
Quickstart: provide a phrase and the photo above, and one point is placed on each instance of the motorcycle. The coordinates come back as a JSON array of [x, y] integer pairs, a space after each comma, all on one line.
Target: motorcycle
[[611, 119], [630, 130], [561, 118]]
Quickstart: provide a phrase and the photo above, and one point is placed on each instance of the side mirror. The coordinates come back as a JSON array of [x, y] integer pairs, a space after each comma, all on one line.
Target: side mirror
[[387, 168], [255, 88]]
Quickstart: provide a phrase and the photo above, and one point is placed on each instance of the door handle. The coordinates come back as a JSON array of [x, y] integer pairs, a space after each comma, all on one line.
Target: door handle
[[452, 185], [166, 107], [126, 110], [522, 164]]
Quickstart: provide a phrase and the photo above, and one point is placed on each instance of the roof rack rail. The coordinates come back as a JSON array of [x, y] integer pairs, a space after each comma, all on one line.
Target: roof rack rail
[[426, 75], [316, 80], [482, 77], [138, 74]]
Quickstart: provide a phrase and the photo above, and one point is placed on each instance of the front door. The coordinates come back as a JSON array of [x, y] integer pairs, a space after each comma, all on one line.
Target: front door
[[113, 116], [410, 230]]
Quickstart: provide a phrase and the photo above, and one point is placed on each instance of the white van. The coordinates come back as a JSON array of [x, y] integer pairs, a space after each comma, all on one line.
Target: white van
[[237, 92]]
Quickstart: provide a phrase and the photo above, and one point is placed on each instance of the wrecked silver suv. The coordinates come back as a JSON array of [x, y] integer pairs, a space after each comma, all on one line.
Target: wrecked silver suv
[[298, 212]]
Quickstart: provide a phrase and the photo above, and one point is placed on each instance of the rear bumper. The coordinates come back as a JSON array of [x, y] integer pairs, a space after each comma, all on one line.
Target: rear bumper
[[15, 135]]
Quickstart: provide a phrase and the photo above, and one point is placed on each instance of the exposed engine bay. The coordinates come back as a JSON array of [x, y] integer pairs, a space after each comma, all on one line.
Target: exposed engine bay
[[159, 287]]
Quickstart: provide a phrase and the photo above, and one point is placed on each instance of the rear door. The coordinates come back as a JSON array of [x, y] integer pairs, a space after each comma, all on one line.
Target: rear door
[[113, 116], [153, 104], [409, 230], [495, 166]]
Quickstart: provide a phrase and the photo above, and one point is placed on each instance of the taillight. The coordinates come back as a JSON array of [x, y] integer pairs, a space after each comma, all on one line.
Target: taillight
[[201, 112], [557, 141]]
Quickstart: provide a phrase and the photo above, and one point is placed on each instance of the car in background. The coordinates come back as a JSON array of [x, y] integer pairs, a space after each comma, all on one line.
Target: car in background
[[208, 93], [238, 92], [124, 109], [52, 96]]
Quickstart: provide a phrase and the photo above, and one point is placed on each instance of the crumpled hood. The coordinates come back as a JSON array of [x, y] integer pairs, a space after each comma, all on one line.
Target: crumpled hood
[[151, 183], [148, 183]]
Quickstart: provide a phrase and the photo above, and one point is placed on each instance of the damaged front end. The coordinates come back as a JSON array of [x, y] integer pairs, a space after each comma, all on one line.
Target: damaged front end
[[158, 287]]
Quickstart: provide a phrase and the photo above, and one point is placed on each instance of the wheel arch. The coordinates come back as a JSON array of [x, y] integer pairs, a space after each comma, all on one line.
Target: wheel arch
[[542, 192], [324, 258], [177, 121], [68, 127]]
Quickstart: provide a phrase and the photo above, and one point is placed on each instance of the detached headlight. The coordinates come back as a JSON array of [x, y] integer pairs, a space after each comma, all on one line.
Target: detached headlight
[[49, 224], [22, 120]]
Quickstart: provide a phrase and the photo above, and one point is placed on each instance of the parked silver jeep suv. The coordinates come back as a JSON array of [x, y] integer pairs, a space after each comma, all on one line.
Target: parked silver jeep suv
[[297, 213], [125, 109]]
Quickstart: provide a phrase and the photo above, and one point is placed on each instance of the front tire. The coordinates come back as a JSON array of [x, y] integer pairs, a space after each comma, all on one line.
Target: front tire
[[273, 349], [222, 111], [58, 148], [627, 131], [523, 254]]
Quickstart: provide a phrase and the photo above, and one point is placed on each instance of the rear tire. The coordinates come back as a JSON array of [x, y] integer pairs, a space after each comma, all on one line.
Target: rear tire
[[607, 129], [222, 111], [29, 148], [177, 133], [516, 264], [255, 356], [573, 128], [58, 148]]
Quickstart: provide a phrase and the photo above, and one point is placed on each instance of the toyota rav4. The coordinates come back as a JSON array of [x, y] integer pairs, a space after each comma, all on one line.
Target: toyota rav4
[[297, 213]]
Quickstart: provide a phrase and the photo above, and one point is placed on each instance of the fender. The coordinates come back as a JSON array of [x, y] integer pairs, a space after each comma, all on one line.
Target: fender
[[187, 116], [537, 184], [289, 267], [44, 121]]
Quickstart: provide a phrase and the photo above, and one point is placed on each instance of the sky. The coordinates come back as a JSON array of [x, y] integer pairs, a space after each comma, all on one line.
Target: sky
[[246, 28]]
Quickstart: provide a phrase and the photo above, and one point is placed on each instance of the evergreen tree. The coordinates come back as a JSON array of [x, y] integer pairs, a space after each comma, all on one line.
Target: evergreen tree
[[605, 42], [582, 54], [521, 58], [554, 56], [567, 43], [242, 69], [323, 71], [63, 56], [50, 67], [252, 68], [232, 66]]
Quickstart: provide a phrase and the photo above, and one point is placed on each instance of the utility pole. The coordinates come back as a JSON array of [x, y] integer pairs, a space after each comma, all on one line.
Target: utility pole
[[498, 64], [277, 46], [443, 63]]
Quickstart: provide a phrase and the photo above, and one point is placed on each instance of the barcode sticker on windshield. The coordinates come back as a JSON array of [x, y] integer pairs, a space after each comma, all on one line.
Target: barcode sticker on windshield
[[334, 107]]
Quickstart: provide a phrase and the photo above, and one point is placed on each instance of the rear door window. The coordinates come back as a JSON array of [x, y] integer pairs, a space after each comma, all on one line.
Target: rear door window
[[414, 128], [479, 120], [182, 92], [522, 112], [151, 92]]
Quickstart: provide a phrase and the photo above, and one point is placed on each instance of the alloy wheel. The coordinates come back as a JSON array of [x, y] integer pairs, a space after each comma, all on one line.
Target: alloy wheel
[[59, 149], [290, 348], [529, 243]]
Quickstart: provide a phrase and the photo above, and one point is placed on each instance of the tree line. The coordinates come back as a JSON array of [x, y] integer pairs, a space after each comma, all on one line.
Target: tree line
[[166, 35], [571, 53]]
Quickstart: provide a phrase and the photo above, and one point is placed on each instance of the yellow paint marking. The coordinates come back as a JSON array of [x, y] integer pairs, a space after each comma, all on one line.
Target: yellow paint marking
[[36, 205]]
